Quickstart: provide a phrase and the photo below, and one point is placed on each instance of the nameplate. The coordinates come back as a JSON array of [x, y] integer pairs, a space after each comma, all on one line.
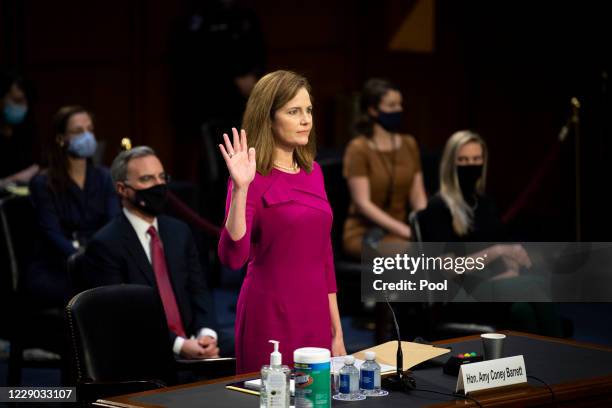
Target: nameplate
[[491, 374]]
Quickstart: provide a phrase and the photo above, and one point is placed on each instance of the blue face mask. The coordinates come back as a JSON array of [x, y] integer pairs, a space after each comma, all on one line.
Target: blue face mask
[[83, 146], [14, 113]]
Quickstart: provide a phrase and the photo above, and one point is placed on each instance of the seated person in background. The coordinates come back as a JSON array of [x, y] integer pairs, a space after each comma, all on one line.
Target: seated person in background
[[72, 199], [461, 212], [140, 246], [16, 136], [383, 171]]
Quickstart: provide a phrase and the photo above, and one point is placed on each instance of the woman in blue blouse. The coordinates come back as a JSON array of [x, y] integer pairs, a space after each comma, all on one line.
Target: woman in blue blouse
[[72, 199]]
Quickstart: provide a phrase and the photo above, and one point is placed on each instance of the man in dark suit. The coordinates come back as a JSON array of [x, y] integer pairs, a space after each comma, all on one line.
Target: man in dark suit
[[141, 246]]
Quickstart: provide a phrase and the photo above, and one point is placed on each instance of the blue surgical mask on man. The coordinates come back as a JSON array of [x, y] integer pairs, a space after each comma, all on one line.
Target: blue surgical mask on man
[[14, 113], [83, 146]]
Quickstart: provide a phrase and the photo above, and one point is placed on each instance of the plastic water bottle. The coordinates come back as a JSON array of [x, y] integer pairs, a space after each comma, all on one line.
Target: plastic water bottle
[[349, 382], [369, 375]]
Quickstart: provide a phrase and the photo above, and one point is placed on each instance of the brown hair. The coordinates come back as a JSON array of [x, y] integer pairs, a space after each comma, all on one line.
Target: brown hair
[[270, 94], [57, 155], [371, 95]]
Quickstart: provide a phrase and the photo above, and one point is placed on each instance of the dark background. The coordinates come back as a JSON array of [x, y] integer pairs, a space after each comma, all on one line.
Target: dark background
[[506, 69]]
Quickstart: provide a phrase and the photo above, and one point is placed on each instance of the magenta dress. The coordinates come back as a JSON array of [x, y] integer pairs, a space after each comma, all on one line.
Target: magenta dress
[[290, 269]]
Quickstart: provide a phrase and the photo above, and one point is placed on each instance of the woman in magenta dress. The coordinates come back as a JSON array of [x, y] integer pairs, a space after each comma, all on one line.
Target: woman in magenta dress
[[278, 221]]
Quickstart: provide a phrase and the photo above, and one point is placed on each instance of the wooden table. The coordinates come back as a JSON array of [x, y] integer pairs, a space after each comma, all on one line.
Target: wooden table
[[569, 362]]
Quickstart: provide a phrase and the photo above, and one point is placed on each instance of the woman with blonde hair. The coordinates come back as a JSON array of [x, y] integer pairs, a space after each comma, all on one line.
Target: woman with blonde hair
[[461, 211], [463, 172], [278, 221]]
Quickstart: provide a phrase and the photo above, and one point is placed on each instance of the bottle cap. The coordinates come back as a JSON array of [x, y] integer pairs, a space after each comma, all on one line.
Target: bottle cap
[[370, 355], [276, 358], [349, 360], [311, 355]]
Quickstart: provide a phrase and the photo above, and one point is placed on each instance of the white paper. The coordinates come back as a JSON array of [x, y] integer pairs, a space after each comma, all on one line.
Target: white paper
[[488, 374]]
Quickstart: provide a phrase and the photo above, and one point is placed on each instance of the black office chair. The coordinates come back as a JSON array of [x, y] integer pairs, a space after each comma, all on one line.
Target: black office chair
[[120, 344], [26, 320], [438, 326]]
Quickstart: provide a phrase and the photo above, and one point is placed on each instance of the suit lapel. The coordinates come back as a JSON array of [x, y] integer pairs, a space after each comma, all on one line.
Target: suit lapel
[[136, 251], [172, 252]]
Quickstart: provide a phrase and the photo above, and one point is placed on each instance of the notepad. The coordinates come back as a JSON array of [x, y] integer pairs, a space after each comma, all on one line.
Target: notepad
[[253, 387], [414, 353]]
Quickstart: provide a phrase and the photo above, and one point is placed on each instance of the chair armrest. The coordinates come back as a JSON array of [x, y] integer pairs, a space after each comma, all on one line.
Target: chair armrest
[[94, 390], [209, 368]]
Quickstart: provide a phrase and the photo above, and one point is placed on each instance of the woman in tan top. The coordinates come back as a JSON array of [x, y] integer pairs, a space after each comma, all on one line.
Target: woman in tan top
[[383, 171]]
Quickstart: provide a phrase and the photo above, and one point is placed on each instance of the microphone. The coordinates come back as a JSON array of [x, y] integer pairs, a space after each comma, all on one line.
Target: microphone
[[573, 119], [400, 381]]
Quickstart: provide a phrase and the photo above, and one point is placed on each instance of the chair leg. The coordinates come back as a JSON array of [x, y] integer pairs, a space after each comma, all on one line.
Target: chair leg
[[15, 364]]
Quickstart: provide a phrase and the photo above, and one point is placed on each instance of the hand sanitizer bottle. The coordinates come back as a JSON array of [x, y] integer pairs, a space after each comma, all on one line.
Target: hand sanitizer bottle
[[275, 380]]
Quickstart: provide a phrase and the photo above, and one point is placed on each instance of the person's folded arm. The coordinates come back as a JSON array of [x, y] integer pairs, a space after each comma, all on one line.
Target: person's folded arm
[[22, 176], [418, 196], [359, 188], [47, 216]]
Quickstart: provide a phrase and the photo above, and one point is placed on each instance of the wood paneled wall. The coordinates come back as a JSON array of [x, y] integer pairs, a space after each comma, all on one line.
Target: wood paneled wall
[[503, 68]]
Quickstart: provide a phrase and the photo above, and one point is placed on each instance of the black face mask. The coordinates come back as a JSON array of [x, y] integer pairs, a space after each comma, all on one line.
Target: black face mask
[[390, 121], [151, 200], [468, 176]]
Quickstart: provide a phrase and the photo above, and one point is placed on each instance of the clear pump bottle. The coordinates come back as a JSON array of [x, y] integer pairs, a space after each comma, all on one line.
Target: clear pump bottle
[[275, 380]]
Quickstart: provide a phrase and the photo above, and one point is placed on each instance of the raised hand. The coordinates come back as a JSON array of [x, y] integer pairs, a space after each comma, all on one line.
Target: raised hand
[[239, 158]]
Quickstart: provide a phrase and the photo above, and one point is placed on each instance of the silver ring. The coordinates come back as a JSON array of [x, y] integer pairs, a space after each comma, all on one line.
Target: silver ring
[[231, 155]]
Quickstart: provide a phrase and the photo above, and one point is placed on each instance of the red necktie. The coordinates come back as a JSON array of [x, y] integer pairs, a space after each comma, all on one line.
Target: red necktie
[[163, 284]]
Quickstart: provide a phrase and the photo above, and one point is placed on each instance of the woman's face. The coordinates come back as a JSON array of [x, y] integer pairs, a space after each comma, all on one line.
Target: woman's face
[[390, 102], [77, 124], [470, 154], [15, 96], [293, 122]]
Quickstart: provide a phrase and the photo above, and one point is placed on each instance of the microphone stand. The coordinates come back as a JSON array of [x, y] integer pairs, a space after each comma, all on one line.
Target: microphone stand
[[575, 121], [401, 381]]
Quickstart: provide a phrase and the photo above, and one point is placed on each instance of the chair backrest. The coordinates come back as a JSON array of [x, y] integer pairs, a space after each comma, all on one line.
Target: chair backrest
[[415, 226], [20, 234], [119, 333], [338, 196]]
